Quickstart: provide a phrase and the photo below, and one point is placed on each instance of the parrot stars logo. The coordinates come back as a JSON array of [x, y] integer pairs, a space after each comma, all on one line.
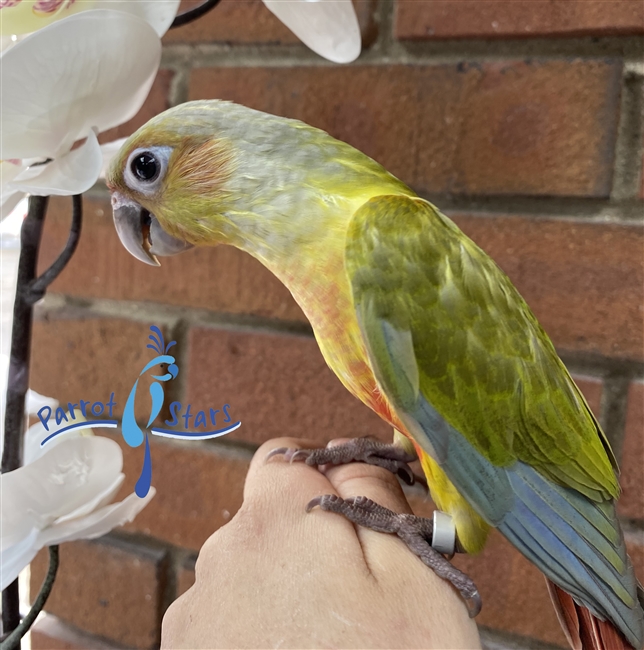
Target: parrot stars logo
[[205, 421]]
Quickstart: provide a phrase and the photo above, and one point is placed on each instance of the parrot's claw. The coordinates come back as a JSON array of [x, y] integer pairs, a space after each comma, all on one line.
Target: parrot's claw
[[416, 532], [365, 450], [290, 455]]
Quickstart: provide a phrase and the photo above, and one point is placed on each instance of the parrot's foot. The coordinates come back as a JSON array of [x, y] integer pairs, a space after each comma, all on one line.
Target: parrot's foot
[[365, 450], [416, 532]]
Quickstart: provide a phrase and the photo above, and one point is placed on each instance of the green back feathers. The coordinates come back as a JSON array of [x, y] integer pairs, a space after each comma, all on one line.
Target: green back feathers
[[483, 361]]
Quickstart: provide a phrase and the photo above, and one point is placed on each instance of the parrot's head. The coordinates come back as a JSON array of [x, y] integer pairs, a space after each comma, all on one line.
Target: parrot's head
[[211, 172], [170, 181]]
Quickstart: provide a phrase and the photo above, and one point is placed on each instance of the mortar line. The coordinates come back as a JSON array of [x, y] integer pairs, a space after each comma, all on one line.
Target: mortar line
[[582, 209], [498, 639], [579, 209], [74, 636], [233, 449], [627, 177], [178, 92], [180, 333], [56, 305], [614, 410], [385, 21], [63, 306], [633, 528], [385, 52]]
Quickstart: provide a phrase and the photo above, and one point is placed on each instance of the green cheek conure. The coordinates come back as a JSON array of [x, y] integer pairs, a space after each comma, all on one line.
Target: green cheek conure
[[420, 325]]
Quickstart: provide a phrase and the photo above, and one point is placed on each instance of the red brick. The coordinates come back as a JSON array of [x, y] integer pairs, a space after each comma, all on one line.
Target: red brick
[[432, 19], [198, 489], [631, 479], [592, 389], [186, 577], [635, 546], [50, 633], [642, 180], [277, 385], [156, 102], [111, 589], [249, 21], [89, 359], [219, 279], [641, 193], [511, 127], [583, 281]]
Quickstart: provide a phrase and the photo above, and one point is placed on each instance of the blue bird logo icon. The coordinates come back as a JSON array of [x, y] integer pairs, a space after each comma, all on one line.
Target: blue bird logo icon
[[132, 433]]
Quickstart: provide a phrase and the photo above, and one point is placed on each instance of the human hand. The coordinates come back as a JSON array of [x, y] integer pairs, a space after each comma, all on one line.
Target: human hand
[[277, 577]]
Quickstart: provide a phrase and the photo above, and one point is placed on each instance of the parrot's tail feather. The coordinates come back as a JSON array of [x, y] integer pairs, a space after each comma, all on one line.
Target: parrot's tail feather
[[583, 630]]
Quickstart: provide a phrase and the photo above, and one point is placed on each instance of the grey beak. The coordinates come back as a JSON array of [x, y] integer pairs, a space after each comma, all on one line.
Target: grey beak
[[132, 230], [141, 233]]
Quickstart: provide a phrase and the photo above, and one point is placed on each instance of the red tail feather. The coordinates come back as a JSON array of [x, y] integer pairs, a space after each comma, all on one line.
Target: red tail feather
[[583, 630]]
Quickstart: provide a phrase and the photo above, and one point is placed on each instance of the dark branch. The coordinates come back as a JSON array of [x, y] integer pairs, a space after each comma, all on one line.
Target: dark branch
[[39, 285], [13, 640], [194, 13], [18, 379], [10, 609], [28, 290]]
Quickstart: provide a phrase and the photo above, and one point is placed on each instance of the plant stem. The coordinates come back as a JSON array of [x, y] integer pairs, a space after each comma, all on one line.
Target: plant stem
[[18, 379], [194, 13], [29, 290], [13, 640]]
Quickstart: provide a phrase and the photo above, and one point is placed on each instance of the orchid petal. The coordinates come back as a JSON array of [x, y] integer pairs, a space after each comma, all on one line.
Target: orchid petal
[[9, 202], [37, 433], [92, 69], [329, 27], [15, 558], [30, 15], [9, 169], [4, 371], [66, 477], [109, 150], [98, 523], [72, 173], [35, 401], [6, 42], [97, 502], [158, 14], [10, 227]]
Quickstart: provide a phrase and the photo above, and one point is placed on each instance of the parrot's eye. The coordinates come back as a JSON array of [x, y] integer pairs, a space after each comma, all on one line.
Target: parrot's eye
[[145, 166]]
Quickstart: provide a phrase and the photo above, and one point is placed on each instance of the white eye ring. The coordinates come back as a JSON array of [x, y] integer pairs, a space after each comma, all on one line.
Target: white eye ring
[[145, 169]]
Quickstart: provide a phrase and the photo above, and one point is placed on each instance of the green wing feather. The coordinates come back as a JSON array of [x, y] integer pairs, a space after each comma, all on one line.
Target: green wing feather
[[484, 362]]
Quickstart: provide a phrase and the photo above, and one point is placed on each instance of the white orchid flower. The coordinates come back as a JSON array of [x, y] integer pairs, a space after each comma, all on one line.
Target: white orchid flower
[[61, 494], [329, 27], [60, 87], [62, 491], [18, 17]]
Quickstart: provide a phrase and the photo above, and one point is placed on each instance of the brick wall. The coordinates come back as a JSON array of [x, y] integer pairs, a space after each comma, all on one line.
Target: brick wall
[[523, 120]]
